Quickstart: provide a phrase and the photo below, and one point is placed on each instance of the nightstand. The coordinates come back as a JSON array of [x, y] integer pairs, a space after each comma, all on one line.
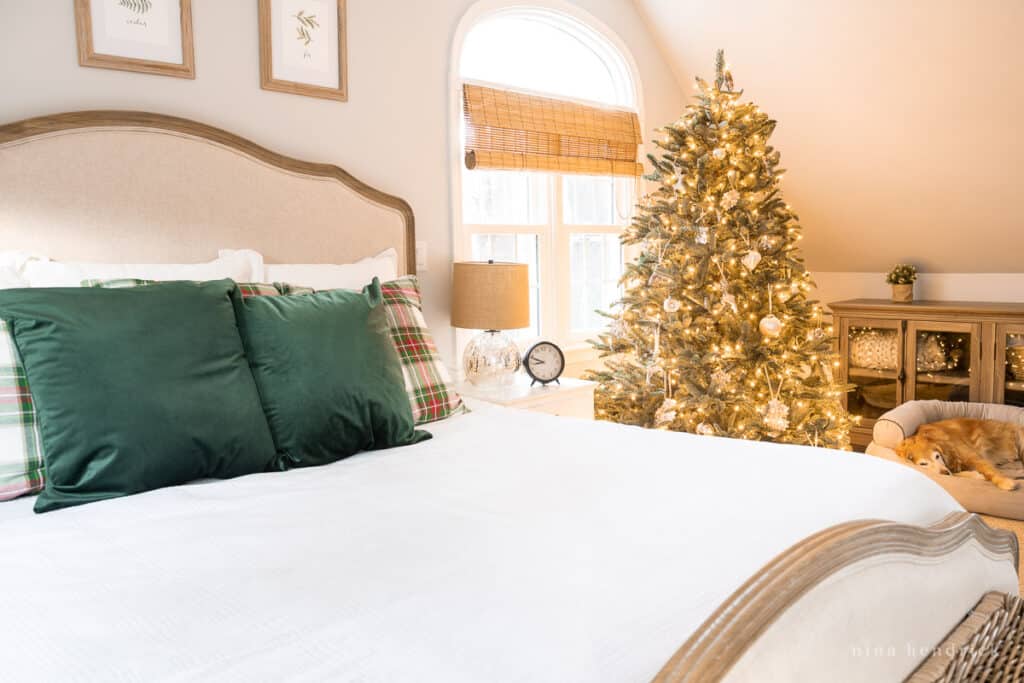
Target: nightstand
[[570, 398]]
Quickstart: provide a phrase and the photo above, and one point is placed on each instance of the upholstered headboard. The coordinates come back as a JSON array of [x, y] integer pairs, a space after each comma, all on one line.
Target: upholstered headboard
[[138, 187]]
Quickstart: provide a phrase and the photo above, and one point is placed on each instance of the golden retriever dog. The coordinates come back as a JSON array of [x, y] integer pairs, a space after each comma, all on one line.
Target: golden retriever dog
[[966, 448]]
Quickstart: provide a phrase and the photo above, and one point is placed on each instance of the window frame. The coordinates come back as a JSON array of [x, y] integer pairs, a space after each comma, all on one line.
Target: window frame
[[554, 236]]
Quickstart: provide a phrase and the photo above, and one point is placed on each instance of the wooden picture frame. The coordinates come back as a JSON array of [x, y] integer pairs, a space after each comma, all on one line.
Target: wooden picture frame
[[280, 72], [114, 52]]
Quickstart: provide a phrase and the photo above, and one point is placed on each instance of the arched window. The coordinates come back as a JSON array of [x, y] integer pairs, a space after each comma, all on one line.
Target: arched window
[[565, 227]]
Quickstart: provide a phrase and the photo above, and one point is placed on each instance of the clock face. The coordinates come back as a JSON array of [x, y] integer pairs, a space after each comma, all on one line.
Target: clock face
[[544, 362]]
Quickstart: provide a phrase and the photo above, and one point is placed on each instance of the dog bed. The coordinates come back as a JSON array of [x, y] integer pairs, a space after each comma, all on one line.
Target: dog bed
[[976, 496]]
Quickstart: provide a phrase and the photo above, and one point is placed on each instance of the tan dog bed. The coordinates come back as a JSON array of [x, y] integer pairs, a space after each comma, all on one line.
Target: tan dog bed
[[975, 495]]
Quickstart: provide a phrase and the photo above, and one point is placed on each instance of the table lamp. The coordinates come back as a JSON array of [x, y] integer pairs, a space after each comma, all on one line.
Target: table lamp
[[492, 297]]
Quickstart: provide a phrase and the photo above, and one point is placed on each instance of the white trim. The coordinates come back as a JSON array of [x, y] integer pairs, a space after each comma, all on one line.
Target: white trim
[[475, 14]]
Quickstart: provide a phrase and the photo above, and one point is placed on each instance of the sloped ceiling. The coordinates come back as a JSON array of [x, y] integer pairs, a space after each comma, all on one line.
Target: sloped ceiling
[[901, 122]]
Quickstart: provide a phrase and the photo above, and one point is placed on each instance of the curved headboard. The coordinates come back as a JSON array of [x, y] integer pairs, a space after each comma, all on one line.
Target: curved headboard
[[125, 186]]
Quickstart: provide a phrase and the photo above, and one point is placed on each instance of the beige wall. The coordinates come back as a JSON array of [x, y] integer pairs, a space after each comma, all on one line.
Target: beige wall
[[393, 132], [899, 123]]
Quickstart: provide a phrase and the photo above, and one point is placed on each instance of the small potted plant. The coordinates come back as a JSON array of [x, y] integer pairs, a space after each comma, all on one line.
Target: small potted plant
[[902, 278]]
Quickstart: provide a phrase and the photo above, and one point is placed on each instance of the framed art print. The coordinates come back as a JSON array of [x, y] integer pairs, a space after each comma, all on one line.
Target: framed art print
[[303, 47], [151, 36]]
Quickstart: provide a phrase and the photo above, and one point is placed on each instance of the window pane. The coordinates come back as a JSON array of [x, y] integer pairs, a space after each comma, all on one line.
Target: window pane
[[565, 58], [596, 200], [504, 198], [596, 266], [517, 249]]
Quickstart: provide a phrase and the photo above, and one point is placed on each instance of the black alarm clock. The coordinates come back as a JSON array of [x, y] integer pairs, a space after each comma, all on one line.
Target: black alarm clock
[[544, 363]]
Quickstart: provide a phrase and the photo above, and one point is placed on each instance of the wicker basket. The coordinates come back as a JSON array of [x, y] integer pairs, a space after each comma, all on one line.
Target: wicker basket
[[1015, 359]]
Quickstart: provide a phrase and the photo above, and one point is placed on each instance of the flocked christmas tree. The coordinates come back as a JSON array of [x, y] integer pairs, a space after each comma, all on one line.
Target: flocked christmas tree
[[715, 333]]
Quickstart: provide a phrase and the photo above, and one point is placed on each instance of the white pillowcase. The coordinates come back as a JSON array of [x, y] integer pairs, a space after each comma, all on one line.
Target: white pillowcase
[[243, 265], [12, 268], [335, 276]]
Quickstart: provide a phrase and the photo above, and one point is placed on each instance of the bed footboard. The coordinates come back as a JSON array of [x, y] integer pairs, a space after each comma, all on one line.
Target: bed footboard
[[862, 601]]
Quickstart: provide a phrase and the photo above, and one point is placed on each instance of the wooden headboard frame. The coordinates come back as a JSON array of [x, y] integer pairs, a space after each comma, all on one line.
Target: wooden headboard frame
[[75, 182]]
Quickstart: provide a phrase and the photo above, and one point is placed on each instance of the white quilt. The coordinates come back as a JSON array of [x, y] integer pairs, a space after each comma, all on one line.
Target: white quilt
[[511, 547]]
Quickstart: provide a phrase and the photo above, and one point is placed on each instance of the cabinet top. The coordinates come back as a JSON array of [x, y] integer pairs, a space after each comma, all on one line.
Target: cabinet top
[[993, 308]]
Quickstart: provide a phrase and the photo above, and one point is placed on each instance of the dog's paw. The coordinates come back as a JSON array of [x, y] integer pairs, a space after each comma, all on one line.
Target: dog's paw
[[1005, 484], [970, 474]]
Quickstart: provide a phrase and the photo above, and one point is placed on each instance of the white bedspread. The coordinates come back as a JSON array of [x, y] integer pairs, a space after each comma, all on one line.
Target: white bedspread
[[511, 547]]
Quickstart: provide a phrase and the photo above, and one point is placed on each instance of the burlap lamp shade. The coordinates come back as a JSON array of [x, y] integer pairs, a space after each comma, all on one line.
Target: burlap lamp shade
[[490, 296]]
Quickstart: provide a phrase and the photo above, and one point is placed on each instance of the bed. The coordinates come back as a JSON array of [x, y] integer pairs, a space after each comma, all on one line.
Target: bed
[[510, 547]]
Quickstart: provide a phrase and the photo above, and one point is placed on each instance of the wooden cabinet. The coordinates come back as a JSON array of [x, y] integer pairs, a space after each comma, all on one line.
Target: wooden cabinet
[[948, 350]]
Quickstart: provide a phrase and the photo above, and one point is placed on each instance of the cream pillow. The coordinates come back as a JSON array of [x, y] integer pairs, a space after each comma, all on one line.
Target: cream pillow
[[241, 266], [321, 276]]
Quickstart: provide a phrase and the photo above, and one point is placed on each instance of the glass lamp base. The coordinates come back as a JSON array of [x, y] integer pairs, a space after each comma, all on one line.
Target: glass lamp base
[[491, 358]]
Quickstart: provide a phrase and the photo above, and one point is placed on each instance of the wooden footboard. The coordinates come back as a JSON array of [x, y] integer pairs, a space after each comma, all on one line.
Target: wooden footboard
[[867, 600]]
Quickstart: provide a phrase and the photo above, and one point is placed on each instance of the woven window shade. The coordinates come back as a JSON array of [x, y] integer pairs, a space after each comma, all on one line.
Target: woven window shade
[[513, 131]]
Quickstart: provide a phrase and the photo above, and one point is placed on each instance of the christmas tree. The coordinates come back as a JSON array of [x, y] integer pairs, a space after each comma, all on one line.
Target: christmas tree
[[715, 333]]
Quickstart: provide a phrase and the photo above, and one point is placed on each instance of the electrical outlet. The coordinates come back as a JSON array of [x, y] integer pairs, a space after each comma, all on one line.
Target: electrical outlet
[[421, 257]]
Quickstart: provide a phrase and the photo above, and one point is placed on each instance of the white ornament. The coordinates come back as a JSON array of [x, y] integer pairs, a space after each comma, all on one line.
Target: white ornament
[[776, 416], [704, 429], [805, 371], [770, 326], [751, 259], [730, 199], [666, 413], [671, 305], [702, 235], [720, 379], [730, 301], [719, 153]]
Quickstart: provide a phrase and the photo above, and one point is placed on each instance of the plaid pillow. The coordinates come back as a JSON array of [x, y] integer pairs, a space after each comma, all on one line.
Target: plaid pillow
[[21, 454], [427, 380]]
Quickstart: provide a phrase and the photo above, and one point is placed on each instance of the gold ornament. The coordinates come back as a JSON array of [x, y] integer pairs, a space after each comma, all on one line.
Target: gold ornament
[[751, 259], [666, 413], [770, 326], [776, 416]]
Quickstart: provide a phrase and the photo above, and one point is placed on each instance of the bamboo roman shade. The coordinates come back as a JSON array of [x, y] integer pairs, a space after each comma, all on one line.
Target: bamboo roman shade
[[513, 131]]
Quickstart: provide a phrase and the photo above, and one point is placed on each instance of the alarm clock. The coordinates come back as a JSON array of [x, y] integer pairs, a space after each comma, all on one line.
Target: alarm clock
[[544, 363]]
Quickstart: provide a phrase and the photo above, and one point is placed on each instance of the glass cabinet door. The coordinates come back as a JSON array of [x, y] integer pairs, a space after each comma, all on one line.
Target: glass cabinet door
[[943, 361], [1009, 385], [871, 354]]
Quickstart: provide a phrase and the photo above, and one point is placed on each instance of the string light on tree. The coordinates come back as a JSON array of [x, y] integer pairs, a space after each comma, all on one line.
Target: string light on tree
[[715, 333]]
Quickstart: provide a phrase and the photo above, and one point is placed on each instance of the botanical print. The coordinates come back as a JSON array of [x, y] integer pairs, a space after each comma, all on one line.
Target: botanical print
[[150, 36], [141, 21], [306, 40], [137, 6], [307, 26], [302, 47]]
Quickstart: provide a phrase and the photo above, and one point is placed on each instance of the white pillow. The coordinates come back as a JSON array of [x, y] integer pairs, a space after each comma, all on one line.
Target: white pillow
[[336, 276], [11, 278], [12, 268], [241, 266]]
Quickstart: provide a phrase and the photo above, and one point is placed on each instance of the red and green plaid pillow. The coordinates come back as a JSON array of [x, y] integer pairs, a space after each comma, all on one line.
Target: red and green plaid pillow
[[427, 381], [21, 453]]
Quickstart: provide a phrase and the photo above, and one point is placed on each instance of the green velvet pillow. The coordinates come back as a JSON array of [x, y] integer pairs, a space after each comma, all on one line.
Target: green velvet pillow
[[329, 377], [137, 389]]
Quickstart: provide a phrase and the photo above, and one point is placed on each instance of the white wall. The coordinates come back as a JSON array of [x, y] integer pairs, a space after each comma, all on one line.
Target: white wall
[[392, 133]]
